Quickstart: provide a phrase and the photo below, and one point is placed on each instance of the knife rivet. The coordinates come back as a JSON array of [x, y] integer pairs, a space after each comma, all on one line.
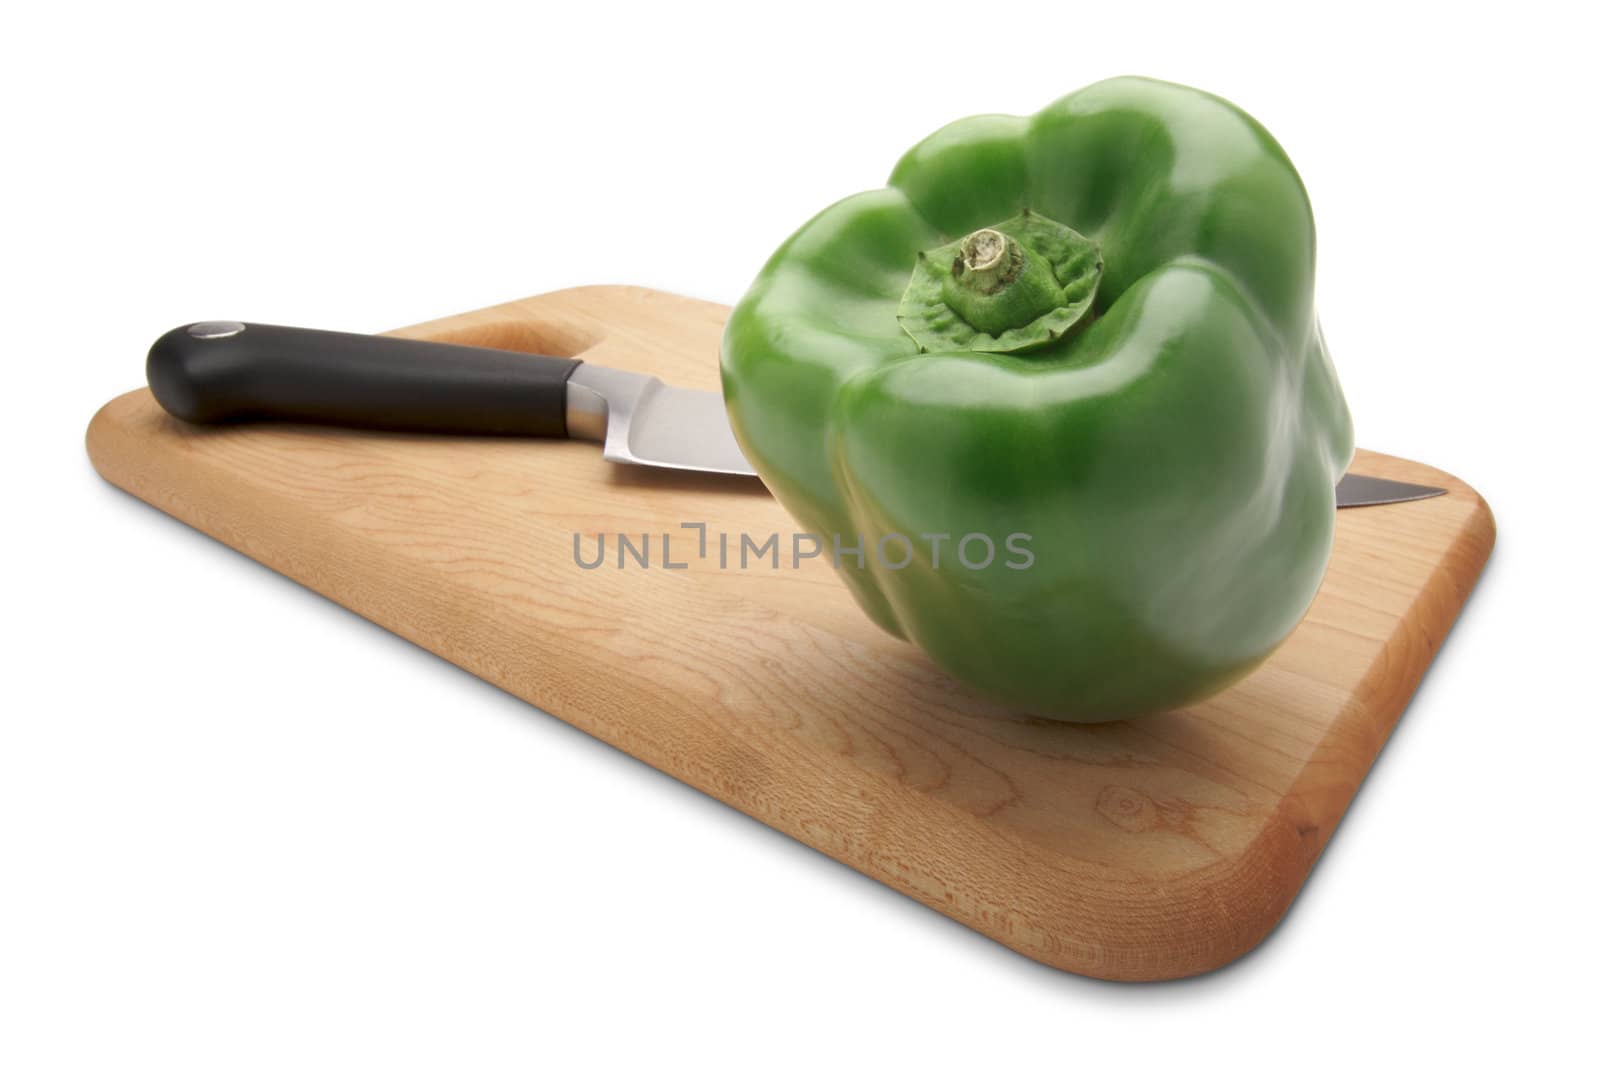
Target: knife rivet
[[205, 331]]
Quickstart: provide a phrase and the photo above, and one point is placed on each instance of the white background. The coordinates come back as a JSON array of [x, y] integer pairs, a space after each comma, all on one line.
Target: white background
[[248, 840]]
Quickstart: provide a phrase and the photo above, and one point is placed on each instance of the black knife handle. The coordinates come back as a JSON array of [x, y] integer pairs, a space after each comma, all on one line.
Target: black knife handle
[[211, 372]]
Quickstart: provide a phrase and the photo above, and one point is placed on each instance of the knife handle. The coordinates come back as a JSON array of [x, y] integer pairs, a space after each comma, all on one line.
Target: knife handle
[[213, 372]]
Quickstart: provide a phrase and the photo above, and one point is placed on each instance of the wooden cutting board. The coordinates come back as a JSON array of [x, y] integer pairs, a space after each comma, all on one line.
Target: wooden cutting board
[[1149, 849]]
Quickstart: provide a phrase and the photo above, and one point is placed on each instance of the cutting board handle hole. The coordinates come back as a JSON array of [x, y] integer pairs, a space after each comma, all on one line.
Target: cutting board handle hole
[[526, 336]]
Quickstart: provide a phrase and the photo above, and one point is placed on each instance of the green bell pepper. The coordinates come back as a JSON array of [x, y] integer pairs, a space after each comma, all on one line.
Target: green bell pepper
[[1080, 345]]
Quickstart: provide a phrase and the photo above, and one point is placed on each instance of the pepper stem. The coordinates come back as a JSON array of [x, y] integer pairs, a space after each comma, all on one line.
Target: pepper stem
[[998, 284], [1007, 288], [987, 261]]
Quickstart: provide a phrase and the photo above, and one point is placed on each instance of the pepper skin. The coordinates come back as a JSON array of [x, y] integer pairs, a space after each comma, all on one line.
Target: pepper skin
[[1171, 455]]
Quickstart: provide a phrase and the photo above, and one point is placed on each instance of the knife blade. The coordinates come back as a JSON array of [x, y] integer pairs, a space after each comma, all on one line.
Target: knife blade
[[1363, 491], [217, 372]]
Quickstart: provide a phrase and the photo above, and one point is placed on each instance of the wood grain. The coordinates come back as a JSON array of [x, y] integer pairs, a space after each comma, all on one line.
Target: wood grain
[[1148, 849]]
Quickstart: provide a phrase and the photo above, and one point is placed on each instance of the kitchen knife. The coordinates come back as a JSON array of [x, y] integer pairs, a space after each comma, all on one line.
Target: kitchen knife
[[216, 372]]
